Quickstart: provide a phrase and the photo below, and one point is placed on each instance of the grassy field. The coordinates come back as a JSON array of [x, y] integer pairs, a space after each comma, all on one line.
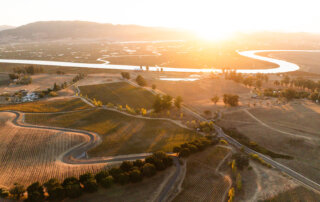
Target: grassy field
[[296, 195], [121, 134], [202, 183], [144, 191], [119, 93], [297, 118], [28, 155], [56, 105]]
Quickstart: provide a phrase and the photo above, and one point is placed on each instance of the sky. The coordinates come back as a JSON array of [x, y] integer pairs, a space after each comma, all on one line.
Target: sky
[[210, 18]]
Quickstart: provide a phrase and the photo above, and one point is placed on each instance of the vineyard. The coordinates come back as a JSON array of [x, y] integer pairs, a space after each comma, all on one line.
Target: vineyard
[[54, 105], [120, 134], [28, 155], [202, 183]]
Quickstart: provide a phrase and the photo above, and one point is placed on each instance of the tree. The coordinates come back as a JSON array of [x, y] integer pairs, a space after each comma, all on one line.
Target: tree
[[138, 163], [54, 189], [239, 182], [149, 170], [17, 191], [4, 193], [35, 192], [107, 181], [101, 175], [90, 185], [135, 175], [154, 86], [141, 81], [72, 187], [241, 160], [215, 99], [230, 99], [126, 166], [178, 101], [125, 75]]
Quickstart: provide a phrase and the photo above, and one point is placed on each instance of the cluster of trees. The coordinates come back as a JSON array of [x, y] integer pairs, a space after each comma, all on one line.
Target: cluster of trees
[[230, 99], [72, 187], [28, 70], [257, 158], [165, 102], [125, 75], [78, 77], [251, 80], [290, 93], [203, 126], [141, 81], [188, 148], [298, 82]]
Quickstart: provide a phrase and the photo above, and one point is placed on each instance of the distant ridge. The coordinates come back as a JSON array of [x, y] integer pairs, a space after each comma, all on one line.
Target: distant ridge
[[54, 30], [5, 27]]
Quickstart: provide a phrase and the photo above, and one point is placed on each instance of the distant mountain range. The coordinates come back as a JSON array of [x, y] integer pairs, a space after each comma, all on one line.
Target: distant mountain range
[[4, 27], [56, 30]]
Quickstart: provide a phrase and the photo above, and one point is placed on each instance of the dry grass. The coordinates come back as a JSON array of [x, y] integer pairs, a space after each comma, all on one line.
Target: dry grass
[[28, 155], [121, 134], [299, 119], [202, 183], [119, 93], [39, 82], [296, 195], [52, 105]]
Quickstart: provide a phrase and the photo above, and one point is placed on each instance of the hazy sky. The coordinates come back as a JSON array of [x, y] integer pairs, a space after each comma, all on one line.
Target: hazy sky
[[210, 17]]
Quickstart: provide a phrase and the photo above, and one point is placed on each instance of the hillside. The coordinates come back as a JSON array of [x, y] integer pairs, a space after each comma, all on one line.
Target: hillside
[[5, 27], [56, 30]]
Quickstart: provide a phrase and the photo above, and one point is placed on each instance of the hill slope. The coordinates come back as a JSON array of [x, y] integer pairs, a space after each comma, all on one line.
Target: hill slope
[[53, 30]]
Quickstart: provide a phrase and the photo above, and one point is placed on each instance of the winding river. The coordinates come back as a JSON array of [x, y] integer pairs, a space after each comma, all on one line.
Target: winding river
[[283, 66]]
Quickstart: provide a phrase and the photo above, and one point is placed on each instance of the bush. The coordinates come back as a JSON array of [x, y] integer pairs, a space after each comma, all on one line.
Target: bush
[[149, 170], [125, 75], [54, 189], [106, 182], [35, 192], [141, 81], [53, 94], [138, 163], [90, 185], [123, 178], [72, 187], [242, 161], [17, 191], [135, 176], [4, 193], [126, 166], [101, 175], [185, 152]]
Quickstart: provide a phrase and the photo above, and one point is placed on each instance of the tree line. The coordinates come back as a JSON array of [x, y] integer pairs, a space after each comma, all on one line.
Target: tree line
[[73, 187]]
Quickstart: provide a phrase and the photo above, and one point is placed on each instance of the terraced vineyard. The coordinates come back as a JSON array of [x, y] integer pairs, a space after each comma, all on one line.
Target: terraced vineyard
[[28, 155], [202, 183]]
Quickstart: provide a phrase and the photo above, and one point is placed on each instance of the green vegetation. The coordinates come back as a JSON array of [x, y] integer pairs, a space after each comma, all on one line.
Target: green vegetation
[[120, 93], [188, 148], [125, 75], [252, 145], [48, 106], [230, 99], [72, 187], [120, 134], [141, 81]]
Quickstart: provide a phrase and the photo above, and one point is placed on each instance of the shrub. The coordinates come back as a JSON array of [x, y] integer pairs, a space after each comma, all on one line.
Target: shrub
[[4, 193], [125, 75], [141, 81], [138, 163], [107, 181], [101, 175], [123, 178], [90, 185], [149, 170], [72, 187], [17, 191], [86, 177], [54, 189], [135, 176], [53, 94], [126, 166], [35, 192]]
